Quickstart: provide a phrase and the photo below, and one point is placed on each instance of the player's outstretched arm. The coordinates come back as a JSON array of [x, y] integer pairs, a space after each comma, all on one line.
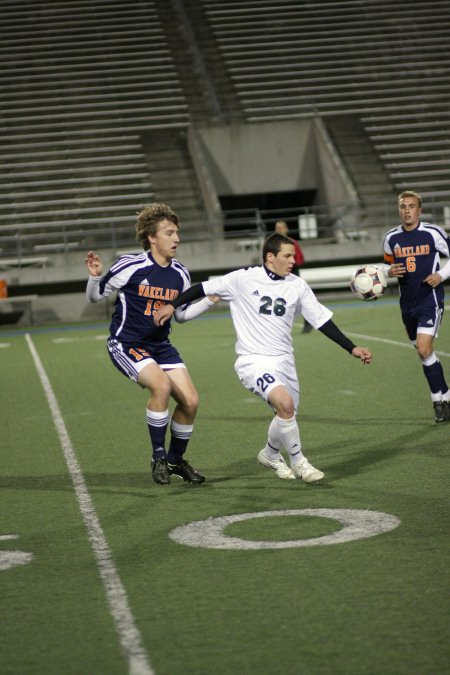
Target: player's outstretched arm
[[165, 313], [363, 354], [193, 310], [330, 329]]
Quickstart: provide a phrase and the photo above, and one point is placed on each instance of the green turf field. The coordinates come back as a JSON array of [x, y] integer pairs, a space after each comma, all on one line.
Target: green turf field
[[103, 589]]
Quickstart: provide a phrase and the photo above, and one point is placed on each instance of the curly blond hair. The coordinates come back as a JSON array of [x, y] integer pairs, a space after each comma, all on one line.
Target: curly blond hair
[[148, 220]]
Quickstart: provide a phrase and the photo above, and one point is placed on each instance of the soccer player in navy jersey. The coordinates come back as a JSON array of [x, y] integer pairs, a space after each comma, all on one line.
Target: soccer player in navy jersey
[[264, 302], [139, 348], [412, 253]]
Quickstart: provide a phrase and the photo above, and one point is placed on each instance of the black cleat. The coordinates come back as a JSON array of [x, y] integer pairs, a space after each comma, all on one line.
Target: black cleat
[[185, 471], [441, 411], [160, 471]]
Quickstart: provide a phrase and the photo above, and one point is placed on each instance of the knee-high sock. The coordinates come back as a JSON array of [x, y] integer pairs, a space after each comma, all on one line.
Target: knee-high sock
[[157, 426], [180, 435], [434, 373], [274, 442], [290, 437]]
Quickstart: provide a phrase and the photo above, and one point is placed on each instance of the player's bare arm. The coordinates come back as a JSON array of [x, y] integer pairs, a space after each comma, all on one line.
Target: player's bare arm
[[363, 354], [334, 333], [94, 264], [161, 316], [192, 293]]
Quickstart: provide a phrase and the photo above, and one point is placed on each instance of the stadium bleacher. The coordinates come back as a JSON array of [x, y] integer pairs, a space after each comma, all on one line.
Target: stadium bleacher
[[98, 97], [77, 90], [372, 60]]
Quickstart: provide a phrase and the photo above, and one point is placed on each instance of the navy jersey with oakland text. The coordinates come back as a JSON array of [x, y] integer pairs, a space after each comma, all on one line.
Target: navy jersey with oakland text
[[419, 250], [142, 287]]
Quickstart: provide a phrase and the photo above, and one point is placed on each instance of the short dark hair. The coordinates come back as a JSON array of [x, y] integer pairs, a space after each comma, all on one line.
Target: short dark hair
[[273, 244]]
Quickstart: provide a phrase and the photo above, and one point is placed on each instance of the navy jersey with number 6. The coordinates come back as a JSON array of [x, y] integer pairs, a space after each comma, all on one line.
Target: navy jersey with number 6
[[419, 250], [142, 287]]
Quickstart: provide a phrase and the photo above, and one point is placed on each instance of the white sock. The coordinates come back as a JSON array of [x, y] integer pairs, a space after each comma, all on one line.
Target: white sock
[[157, 419], [274, 443], [290, 437]]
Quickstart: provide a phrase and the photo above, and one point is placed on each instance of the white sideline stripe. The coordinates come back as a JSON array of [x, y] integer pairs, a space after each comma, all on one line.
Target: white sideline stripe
[[390, 342], [129, 636]]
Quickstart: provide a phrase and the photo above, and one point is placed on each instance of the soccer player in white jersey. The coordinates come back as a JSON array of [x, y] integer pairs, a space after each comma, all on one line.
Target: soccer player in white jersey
[[264, 302], [141, 350], [412, 253]]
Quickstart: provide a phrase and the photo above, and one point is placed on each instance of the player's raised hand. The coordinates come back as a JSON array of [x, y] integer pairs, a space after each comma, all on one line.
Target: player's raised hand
[[163, 314], [94, 264], [363, 354]]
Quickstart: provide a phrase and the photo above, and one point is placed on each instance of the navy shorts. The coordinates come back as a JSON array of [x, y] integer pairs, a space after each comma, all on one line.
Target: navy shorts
[[425, 319], [130, 359]]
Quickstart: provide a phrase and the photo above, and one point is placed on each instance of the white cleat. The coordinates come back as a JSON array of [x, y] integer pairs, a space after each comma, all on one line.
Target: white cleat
[[278, 465], [307, 472]]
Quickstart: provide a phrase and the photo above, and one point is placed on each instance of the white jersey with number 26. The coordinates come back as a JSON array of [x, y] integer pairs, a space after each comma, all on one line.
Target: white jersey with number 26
[[263, 308]]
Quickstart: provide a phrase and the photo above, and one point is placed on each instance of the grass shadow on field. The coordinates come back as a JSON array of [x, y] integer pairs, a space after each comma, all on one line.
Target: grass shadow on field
[[364, 421], [62, 482], [51, 482], [108, 483], [380, 452]]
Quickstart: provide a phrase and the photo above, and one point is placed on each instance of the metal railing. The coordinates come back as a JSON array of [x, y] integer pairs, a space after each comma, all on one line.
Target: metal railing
[[243, 223], [337, 222]]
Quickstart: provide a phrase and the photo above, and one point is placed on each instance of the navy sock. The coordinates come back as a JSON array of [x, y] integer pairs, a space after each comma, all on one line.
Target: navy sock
[[157, 426], [180, 435], [435, 376]]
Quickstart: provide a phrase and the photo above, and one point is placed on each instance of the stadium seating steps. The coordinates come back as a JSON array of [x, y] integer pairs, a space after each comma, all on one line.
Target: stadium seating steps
[[85, 88]]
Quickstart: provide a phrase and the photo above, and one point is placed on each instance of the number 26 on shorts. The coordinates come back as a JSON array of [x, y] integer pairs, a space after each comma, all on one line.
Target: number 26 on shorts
[[264, 381]]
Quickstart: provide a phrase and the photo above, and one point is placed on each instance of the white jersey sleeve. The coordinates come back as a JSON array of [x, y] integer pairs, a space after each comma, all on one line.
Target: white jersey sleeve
[[263, 309], [188, 312]]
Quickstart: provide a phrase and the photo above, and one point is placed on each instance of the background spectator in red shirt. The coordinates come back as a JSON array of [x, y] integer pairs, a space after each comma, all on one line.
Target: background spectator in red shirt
[[281, 227]]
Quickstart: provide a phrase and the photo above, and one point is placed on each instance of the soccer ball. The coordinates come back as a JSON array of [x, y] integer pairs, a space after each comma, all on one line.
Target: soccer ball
[[368, 282]]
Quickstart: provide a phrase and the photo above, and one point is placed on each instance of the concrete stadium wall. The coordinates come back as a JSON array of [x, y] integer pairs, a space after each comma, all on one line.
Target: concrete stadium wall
[[261, 157]]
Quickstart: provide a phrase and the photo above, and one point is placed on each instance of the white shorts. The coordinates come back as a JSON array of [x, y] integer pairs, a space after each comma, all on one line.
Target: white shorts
[[260, 374]]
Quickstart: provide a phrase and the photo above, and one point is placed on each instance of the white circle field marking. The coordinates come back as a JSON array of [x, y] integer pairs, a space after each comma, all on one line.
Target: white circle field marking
[[358, 524], [10, 559]]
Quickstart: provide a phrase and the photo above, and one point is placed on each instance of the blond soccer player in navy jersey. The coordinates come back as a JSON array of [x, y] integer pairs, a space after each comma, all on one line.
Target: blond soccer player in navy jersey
[[139, 348], [412, 253], [264, 302]]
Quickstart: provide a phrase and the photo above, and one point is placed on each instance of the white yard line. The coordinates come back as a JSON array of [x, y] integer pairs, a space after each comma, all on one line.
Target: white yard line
[[389, 342], [397, 343], [129, 635]]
